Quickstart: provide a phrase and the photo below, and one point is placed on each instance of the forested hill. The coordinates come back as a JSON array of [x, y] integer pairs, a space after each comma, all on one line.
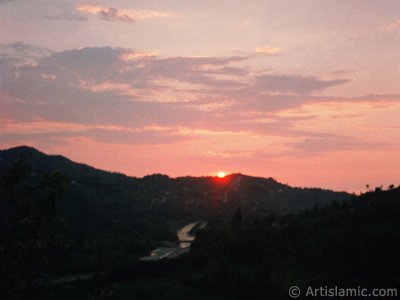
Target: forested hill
[[348, 244], [58, 217], [92, 188], [110, 216]]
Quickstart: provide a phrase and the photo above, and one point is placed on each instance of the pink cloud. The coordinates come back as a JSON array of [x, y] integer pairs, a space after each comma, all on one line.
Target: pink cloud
[[197, 115], [393, 26], [122, 15], [268, 50]]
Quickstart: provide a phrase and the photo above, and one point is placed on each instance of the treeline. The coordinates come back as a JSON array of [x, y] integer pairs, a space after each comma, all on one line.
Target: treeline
[[32, 232], [348, 244]]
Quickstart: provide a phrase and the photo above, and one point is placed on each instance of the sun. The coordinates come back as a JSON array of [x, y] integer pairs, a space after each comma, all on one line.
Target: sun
[[221, 174]]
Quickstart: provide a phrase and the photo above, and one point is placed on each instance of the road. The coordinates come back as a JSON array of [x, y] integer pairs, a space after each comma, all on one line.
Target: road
[[185, 237]]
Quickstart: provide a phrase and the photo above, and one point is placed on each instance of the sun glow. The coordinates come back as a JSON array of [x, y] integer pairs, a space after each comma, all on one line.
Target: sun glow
[[221, 174]]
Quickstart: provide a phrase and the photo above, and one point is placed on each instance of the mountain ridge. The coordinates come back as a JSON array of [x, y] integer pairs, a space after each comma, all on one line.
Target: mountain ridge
[[109, 219], [18, 150], [190, 196], [106, 210]]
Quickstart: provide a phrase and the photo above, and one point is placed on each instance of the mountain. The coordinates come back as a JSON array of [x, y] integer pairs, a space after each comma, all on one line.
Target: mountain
[[262, 236], [118, 215], [253, 194]]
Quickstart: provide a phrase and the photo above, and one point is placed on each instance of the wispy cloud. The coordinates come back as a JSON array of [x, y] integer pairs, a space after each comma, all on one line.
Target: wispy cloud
[[21, 53], [312, 145], [67, 17], [296, 84], [116, 14], [268, 50], [116, 95], [107, 13], [130, 55], [112, 14], [130, 88], [394, 25]]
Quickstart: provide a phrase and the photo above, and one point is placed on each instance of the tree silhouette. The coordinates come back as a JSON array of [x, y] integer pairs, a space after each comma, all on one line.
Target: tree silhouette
[[30, 229]]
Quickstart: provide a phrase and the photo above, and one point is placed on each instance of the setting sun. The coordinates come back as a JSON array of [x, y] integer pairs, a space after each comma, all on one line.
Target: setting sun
[[221, 174]]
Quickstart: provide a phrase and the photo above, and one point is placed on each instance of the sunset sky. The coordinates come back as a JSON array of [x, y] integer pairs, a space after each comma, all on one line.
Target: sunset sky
[[304, 91]]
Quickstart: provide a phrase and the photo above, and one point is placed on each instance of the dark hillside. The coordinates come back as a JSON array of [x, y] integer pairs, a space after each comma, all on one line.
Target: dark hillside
[[110, 216]]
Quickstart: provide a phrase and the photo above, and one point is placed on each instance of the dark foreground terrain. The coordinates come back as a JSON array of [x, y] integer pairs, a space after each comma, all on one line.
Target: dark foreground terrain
[[60, 219]]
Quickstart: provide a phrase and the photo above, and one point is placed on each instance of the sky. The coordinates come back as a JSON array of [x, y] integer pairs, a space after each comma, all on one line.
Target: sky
[[304, 91]]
